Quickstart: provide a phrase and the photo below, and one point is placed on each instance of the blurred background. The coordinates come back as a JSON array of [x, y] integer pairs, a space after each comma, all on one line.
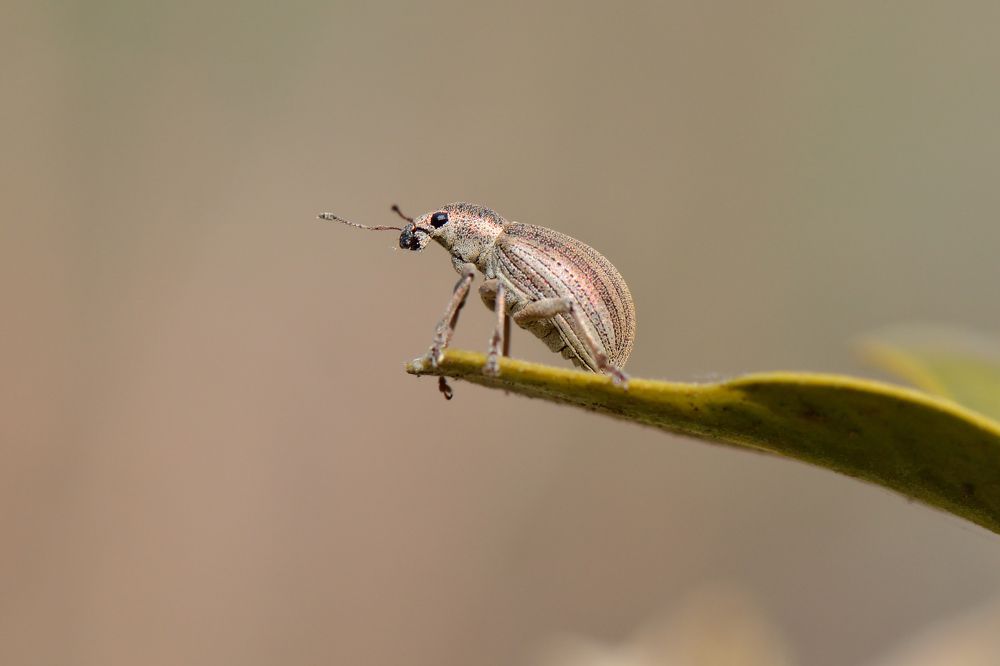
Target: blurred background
[[211, 453]]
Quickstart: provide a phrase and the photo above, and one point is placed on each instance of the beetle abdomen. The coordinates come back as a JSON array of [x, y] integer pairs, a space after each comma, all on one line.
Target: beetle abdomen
[[543, 263]]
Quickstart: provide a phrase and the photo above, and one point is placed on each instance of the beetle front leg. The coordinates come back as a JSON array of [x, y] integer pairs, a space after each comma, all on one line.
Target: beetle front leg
[[492, 366], [548, 308], [446, 327]]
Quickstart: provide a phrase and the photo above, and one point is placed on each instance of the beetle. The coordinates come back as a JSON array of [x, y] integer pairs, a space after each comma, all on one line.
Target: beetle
[[562, 290]]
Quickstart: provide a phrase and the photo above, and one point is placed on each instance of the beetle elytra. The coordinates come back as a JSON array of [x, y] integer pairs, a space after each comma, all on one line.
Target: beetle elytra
[[563, 291]]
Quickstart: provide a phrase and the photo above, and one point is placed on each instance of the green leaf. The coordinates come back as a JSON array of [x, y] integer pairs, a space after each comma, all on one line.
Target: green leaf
[[923, 447], [951, 363]]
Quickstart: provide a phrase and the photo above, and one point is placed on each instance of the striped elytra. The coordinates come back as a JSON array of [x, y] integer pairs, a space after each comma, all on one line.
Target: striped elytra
[[539, 262]]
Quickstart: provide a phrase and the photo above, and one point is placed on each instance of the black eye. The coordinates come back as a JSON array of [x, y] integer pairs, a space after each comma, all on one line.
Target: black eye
[[439, 219]]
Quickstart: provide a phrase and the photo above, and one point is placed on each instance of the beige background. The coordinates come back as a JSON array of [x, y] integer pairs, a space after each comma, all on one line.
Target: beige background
[[210, 454]]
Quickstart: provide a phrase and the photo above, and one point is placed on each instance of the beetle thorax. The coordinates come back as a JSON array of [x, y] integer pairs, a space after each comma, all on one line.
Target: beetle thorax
[[471, 232]]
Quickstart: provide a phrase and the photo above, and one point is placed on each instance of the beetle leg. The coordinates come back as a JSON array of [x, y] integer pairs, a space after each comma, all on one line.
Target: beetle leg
[[548, 308], [488, 292], [617, 375], [506, 335], [545, 308], [446, 327], [492, 366]]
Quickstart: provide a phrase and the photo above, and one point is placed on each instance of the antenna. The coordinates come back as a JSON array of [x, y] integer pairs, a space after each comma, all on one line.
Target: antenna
[[395, 209], [335, 218]]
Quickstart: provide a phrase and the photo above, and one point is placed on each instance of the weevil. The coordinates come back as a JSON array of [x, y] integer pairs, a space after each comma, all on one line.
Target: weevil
[[562, 290]]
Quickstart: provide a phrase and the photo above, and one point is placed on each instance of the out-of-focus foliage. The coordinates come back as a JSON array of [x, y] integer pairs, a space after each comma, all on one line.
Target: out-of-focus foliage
[[723, 625], [951, 363], [718, 625]]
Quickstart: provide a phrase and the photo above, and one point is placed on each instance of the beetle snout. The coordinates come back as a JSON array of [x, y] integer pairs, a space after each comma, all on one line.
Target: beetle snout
[[412, 238], [407, 240]]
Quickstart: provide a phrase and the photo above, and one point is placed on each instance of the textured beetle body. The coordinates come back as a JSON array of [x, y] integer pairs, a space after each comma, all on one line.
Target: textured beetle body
[[562, 290], [535, 263]]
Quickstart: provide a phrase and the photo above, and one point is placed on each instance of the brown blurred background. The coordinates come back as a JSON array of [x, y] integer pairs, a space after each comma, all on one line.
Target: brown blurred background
[[210, 453]]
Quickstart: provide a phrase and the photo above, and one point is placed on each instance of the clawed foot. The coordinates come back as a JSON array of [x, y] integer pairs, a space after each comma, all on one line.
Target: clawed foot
[[444, 388], [434, 355], [492, 367], [618, 377]]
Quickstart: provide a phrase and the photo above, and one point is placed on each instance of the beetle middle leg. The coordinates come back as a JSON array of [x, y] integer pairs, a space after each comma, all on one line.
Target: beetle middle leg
[[500, 334], [547, 308], [446, 327]]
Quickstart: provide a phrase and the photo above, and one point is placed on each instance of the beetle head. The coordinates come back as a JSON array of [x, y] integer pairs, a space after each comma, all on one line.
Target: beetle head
[[464, 229]]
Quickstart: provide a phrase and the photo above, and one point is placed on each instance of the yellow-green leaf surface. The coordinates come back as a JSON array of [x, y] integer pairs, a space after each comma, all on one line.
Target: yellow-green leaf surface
[[926, 448], [951, 363]]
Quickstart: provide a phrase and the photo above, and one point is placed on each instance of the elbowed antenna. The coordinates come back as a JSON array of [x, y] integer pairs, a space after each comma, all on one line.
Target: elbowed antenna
[[335, 218], [395, 209]]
